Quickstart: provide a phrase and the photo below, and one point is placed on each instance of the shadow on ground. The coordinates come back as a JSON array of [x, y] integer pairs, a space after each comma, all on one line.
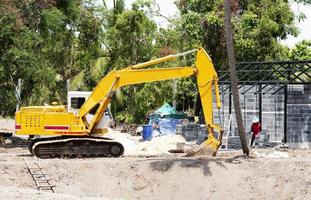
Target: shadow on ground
[[165, 165], [238, 159]]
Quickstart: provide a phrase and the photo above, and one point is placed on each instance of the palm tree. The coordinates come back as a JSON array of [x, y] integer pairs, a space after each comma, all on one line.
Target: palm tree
[[233, 76], [100, 66]]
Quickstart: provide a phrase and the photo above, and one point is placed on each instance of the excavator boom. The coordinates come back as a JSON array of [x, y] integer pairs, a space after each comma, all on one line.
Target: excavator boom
[[103, 92], [76, 129]]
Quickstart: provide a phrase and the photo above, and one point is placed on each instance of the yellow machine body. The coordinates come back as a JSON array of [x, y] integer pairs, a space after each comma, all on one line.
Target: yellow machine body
[[55, 120], [48, 120]]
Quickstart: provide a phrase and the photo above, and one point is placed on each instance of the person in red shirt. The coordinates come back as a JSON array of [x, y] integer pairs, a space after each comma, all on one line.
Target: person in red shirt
[[255, 129]]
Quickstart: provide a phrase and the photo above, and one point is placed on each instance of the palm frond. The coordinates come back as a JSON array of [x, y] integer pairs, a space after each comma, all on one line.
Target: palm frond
[[97, 68], [77, 82]]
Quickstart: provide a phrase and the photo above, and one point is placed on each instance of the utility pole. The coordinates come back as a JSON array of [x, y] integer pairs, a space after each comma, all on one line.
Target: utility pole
[[68, 85], [174, 92], [18, 93], [234, 77]]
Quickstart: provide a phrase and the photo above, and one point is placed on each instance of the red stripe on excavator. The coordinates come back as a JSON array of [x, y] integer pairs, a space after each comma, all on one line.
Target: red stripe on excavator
[[18, 126], [75, 132], [69, 133], [56, 127]]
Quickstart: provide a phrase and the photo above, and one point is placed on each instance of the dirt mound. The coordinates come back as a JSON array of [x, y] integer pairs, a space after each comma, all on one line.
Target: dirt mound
[[163, 177]]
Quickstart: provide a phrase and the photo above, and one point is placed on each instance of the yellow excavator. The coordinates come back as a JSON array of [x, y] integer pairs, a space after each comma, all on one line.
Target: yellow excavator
[[68, 134]]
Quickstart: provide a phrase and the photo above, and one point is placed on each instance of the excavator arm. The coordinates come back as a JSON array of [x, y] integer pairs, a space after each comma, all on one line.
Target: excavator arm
[[206, 80]]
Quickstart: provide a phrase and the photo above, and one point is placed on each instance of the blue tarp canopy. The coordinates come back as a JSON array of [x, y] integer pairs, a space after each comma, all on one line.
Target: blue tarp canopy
[[167, 118], [167, 111]]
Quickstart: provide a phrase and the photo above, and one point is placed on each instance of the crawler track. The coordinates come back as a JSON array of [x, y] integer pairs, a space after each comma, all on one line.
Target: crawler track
[[75, 147]]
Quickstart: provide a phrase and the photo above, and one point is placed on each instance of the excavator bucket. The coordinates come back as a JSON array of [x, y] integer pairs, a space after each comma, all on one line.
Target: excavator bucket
[[207, 80], [208, 147]]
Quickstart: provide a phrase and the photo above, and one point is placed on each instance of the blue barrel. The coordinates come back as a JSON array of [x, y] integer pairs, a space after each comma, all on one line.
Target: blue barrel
[[147, 132]]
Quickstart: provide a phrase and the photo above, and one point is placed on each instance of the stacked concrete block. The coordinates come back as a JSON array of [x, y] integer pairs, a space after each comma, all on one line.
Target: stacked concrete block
[[188, 131], [193, 132], [235, 143]]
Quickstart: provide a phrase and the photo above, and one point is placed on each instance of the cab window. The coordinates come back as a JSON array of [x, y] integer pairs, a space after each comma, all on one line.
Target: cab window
[[77, 102]]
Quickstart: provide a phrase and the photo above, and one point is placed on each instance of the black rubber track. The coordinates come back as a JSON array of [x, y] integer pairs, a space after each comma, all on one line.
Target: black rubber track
[[75, 147]]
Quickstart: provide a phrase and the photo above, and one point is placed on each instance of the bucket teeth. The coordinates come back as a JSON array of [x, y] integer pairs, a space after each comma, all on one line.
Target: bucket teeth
[[208, 147]]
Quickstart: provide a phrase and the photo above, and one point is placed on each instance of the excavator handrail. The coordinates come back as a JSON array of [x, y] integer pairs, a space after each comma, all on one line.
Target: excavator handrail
[[161, 60]]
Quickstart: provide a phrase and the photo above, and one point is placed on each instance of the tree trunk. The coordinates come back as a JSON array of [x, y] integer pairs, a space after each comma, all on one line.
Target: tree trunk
[[174, 92], [233, 76]]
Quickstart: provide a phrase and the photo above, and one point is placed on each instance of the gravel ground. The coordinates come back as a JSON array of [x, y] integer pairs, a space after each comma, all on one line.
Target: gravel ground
[[148, 171], [263, 176]]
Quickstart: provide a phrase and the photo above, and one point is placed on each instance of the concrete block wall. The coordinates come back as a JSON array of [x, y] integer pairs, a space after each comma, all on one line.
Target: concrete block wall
[[298, 112], [272, 111], [273, 114], [299, 116]]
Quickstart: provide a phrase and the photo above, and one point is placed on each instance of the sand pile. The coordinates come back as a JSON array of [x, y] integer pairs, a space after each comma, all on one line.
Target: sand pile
[[134, 145]]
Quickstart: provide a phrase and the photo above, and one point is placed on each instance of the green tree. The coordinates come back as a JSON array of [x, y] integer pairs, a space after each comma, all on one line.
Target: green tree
[[20, 57], [302, 51], [257, 27], [128, 39], [45, 42]]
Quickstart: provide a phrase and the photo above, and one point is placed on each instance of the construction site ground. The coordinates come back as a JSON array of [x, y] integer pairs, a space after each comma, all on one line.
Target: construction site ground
[[267, 174], [148, 171]]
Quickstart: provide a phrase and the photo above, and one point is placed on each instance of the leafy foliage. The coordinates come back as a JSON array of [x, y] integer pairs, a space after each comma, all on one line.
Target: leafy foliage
[[258, 25], [301, 51], [130, 41], [46, 42]]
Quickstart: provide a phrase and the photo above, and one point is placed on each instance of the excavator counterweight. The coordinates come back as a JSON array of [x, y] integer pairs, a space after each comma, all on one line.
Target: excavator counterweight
[[67, 134]]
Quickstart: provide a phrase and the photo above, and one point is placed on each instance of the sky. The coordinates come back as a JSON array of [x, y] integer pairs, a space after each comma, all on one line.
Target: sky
[[304, 26], [169, 9]]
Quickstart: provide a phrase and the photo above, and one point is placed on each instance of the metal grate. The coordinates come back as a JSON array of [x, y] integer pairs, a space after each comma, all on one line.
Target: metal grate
[[276, 74], [33, 122]]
